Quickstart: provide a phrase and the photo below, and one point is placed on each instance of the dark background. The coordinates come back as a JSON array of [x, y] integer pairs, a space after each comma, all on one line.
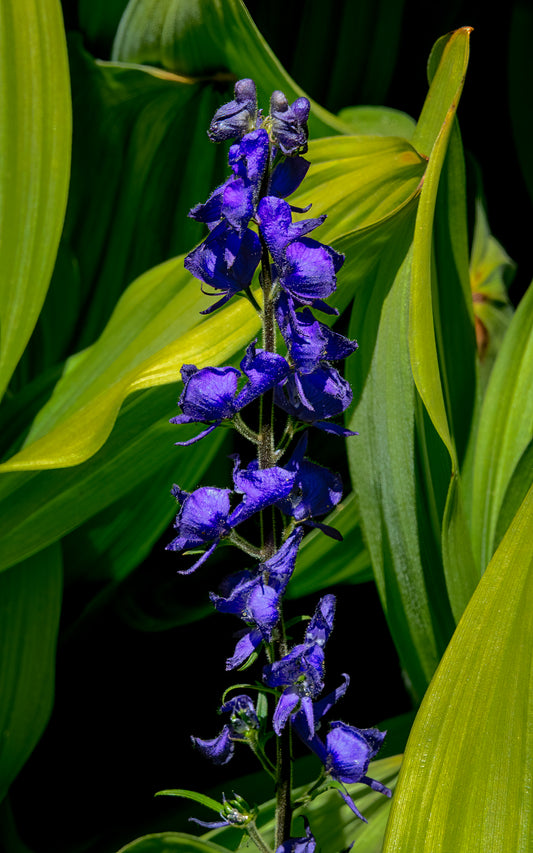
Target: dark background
[[128, 697]]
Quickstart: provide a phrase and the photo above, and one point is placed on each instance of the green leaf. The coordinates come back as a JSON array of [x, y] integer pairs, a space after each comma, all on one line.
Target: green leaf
[[203, 799], [39, 507], [156, 326], [35, 140], [431, 138], [383, 468], [169, 842], [505, 427], [470, 750], [333, 825], [30, 601], [380, 121], [199, 38]]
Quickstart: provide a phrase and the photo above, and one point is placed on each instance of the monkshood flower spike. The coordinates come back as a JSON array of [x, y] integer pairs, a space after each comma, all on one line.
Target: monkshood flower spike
[[258, 245]]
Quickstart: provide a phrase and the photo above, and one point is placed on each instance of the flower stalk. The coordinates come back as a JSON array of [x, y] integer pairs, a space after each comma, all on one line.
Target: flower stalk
[[297, 275]]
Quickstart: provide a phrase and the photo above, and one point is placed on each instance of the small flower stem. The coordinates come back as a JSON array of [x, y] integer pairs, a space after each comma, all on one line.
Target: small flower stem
[[266, 454], [252, 831]]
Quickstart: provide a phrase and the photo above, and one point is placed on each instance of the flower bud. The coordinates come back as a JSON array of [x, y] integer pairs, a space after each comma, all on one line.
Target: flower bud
[[234, 119]]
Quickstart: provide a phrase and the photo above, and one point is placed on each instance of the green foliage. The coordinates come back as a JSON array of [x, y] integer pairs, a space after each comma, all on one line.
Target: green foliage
[[97, 315]]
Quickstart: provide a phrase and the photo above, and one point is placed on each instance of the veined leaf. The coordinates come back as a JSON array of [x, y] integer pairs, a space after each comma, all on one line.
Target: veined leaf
[[381, 121], [171, 842], [198, 38], [30, 603], [156, 326], [505, 427], [431, 138], [35, 139], [469, 755], [383, 468]]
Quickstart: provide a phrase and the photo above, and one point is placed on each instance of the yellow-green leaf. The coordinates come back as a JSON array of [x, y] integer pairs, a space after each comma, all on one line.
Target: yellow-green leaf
[[35, 140], [465, 784]]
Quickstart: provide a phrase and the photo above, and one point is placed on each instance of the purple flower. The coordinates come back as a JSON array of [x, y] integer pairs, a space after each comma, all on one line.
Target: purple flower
[[321, 707], [260, 488], [316, 489], [236, 198], [202, 520], [219, 749], [315, 397], [255, 597], [289, 123], [243, 726], [226, 261], [346, 755], [301, 671], [309, 342], [304, 844], [305, 268], [210, 394], [237, 117], [205, 516], [287, 176]]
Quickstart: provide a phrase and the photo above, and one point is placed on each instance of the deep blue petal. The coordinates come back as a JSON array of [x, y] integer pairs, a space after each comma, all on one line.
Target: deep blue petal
[[220, 749], [237, 117], [260, 487]]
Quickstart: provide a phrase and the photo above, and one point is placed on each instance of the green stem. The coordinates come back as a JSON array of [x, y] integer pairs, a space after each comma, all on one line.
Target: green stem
[[252, 831], [267, 456]]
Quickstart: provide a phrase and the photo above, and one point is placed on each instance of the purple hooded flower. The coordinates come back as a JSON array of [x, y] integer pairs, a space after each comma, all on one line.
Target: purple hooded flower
[[308, 341], [226, 261], [305, 268], [235, 200], [316, 491], [315, 397], [202, 520], [243, 726], [321, 707], [259, 487], [346, 755], [210, 395], [237, 117], [255, 597], [304, 844], [301, 671], [289, 123]]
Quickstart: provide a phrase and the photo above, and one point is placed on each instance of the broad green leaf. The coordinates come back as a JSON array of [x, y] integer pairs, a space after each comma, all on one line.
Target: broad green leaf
[[359, 181], [466, 779], [39, 507], [137, 137], [198, 38], [380, 121], [35, 140], [383, 468], [156, 326], [30, 602], [505, 427], [170, 842], [431, 138]]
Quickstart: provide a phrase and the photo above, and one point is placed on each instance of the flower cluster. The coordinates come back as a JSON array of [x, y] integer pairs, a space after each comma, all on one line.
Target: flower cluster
[[256, 247]]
